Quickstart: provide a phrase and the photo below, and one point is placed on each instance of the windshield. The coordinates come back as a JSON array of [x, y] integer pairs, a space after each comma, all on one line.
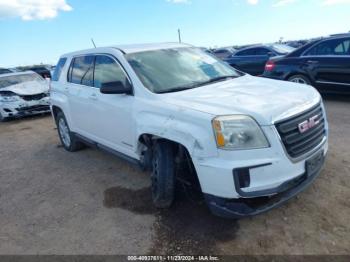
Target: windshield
[[283, 49], [171, 70], [18, 79]]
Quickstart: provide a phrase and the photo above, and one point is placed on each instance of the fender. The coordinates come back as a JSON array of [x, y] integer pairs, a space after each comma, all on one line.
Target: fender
[[196, 136]]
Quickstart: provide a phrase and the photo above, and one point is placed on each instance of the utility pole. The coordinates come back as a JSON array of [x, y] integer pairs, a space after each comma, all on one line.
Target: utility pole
[[179, 33]]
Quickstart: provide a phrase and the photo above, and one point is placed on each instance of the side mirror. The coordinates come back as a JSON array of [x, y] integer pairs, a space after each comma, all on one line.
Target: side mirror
[[116, 88], [270, 54]]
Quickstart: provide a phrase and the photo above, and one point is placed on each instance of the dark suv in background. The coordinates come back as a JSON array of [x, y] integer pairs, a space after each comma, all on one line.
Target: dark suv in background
[[5, 71], [252, 60], [323, 63]]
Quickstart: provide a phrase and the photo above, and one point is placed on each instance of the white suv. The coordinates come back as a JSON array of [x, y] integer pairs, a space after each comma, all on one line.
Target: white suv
[[252, 143]]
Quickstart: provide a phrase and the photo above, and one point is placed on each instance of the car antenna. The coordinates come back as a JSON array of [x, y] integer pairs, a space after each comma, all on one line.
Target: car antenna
[[92, 40]]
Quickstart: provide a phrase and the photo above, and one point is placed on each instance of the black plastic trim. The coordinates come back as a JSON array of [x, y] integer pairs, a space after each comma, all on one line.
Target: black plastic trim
[[109, 150], [249, 194], [238, 208]]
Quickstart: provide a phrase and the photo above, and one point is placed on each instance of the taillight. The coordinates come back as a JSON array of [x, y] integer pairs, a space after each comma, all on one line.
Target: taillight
[[270, 65]]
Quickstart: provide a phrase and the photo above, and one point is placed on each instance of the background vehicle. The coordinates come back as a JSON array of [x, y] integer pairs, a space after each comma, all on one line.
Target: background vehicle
[[296, 44], [252, 60], [323, 63], [41, 70], [5, 71], [24, 93], [171, 107], [224, 52]]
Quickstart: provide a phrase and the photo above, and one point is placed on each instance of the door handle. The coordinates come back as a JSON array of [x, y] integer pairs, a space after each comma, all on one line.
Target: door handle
[[312, 62], [93, 97]]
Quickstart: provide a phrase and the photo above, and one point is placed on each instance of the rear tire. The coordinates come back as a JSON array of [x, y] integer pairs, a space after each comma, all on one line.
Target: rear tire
[[300, 79], [163, 175], [2, 119], [68, 139]]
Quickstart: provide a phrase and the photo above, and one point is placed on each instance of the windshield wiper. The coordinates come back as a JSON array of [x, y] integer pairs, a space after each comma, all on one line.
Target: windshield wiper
[[176, 89], [218, 79], [194, 85]]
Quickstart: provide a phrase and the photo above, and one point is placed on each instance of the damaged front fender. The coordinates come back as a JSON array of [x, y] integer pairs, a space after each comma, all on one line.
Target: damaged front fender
[[192, 132]]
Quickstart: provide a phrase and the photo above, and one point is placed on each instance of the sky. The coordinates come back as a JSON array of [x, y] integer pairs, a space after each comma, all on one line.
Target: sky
[[39, 31]]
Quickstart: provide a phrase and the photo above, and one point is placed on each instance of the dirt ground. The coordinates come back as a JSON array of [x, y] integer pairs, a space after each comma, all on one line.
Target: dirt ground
[[90, 202]]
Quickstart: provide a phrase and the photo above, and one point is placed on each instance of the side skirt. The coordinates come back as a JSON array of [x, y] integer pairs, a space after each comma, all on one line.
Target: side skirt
[[94, 144]]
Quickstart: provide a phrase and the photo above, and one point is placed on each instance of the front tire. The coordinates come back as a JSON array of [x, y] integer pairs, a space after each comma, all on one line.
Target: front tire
[[300, 79], [68, 139], [163, 175]]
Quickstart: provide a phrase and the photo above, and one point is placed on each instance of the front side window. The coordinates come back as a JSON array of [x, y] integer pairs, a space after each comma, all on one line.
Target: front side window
[[169, 70], [82, 69], [107, 70], [19, 79], [332, 47]]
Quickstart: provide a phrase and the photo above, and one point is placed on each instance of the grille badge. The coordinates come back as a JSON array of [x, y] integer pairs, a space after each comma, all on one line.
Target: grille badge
[[308, 124]]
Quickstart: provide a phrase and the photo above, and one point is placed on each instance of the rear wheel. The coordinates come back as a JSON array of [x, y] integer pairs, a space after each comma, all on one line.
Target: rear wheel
[[300, 79], [2, 118], [68, 139], [163, 175]]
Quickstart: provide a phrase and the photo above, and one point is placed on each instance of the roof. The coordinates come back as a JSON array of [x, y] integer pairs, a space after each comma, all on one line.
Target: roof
[[135, 48], [149, 47]]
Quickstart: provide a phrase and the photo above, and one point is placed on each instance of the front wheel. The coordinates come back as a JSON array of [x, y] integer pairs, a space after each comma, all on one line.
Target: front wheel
[[300, 79], [163, 175]]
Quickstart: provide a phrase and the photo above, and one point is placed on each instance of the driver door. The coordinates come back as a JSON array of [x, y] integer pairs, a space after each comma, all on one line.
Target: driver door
[[114, 124]]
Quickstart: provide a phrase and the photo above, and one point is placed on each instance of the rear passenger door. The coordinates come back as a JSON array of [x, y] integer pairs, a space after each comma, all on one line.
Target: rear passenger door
[[251, 61], [81, 93], [262, 56], [328, 64]]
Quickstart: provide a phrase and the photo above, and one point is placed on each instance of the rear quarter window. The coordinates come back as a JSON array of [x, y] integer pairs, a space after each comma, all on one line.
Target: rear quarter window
[[58, 70]]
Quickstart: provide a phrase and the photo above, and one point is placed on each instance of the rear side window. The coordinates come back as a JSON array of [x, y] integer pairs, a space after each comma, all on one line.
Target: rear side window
[[107, 70], [4, 71], [262, 51], [57, 73], [246, 52], [343, 48], [332, 47], [82, 71]]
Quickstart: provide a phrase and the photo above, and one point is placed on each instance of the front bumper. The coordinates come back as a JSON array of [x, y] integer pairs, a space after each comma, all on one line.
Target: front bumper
[[272, 198], [273, 177], [25, 108]]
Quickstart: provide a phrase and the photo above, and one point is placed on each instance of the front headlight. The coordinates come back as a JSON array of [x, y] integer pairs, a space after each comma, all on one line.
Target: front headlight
[[9, 98], [238, 132]]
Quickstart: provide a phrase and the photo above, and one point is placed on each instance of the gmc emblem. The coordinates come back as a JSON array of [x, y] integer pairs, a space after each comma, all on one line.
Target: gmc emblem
[[308, 124]]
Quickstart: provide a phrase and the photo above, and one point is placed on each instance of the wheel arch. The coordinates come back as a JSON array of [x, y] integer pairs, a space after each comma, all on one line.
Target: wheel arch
[[55, 110]]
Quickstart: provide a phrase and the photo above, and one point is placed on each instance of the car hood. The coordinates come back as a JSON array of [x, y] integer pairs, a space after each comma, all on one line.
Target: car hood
[[266, 100], [28, 88]]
